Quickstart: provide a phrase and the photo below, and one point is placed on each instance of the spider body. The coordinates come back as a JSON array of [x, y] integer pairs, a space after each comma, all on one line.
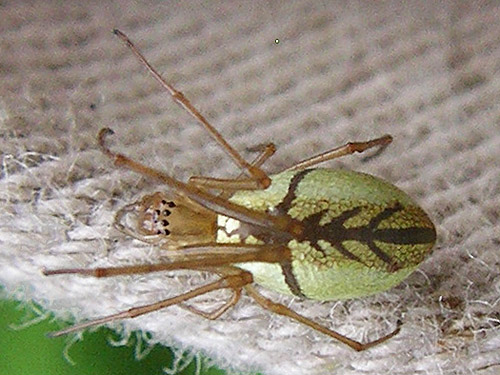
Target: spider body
[[361, 235]]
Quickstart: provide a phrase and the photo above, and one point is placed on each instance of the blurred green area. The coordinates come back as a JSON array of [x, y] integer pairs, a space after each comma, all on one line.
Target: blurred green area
[[26, 350]]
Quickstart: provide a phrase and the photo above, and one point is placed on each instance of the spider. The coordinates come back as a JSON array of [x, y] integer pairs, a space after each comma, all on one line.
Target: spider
[[315, 233]]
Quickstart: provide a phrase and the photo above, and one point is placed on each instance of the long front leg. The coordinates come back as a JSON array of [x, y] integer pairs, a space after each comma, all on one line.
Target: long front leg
[[197, 257], [253, 171]]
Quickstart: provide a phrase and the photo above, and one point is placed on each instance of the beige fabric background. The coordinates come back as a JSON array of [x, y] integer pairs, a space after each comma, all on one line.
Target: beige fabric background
[[427, 74]]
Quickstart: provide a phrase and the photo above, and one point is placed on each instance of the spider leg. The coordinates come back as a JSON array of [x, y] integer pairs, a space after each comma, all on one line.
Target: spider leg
[[281, 309], [281, 224], [197, 257], [235, 282], [212, 315], [228, 185], [347, 149], [257, 174]]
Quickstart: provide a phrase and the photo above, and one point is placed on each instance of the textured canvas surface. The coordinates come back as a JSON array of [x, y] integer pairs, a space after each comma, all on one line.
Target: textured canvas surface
[[342, 71]]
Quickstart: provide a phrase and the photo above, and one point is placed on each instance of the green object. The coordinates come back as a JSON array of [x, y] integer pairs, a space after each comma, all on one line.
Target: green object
[[362, 234], [26, 350]]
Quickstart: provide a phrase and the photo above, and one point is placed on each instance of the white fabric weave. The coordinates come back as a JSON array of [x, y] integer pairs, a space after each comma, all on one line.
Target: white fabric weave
[[342, 71]]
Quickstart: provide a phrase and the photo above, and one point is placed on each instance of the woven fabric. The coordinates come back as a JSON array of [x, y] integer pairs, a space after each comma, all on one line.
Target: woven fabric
[[425, 72]]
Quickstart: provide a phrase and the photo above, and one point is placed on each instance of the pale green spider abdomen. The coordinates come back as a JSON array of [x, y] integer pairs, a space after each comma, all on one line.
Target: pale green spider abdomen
[[362, 234]]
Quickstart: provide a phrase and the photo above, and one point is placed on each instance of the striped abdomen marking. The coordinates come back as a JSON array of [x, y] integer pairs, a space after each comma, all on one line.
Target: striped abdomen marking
[[361, 232], [336, 233]]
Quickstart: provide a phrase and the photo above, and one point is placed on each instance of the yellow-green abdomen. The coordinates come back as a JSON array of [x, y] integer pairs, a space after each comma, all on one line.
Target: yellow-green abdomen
[[362, 235]]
